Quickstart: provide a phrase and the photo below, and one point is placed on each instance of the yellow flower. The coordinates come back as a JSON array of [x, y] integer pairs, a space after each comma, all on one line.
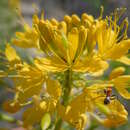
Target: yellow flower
[[91, 101], [26, 84], [117, 115], [27, 39], [75, 112], [67, 46], [73, 45], [34, 114], [112, 45]]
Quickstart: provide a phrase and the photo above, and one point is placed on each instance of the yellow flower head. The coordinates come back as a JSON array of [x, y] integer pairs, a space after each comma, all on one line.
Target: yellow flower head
[[64, 79], [111, 43]]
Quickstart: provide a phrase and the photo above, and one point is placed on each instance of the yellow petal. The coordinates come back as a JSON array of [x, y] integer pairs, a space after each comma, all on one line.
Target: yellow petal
[[53, 88], [118, 50], [91, 39], [23, 95], [87, 17], [78, 121], [106, 38], [88, 65], [35, 19], [73, 38], [54, 22], [29, 84], [33, 115], [74, 112], [11, 54], [75, 20], [115, 115], [116, 72], [125, 60], [51, 65], [27, 39], [68, 21], [122, 83], [46, 30], [53, 38], [63, 27], [114, 123], [82, 41], [118, 115]]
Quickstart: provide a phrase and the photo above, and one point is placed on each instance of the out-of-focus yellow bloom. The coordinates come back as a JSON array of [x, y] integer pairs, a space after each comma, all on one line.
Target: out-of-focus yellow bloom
[[27, 39], [34, 114], [11, 54], [14, 4], [26, 84]]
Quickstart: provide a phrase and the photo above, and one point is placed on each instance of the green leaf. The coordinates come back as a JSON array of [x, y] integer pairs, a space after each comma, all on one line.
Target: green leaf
[[45, 121]]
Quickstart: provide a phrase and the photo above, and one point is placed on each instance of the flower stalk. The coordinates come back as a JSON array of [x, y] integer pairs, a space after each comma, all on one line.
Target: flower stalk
[[66, 94], [67, 87]]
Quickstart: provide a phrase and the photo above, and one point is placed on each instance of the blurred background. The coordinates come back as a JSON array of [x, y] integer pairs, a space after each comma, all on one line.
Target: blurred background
[[10, 23]]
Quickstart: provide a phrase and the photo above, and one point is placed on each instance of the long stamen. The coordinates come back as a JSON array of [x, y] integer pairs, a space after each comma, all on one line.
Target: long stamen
[[101, 12], [118, 29]]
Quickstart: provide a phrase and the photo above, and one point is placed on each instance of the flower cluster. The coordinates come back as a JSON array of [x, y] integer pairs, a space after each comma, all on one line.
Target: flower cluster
[[75, 46]]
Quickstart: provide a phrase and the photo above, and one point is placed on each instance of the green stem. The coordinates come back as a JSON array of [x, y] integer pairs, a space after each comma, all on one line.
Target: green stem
[[58, 124], [67, 86], [66, 94]]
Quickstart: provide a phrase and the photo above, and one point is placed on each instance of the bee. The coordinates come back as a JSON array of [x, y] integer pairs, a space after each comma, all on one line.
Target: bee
[[109, 96], [105, 93]]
